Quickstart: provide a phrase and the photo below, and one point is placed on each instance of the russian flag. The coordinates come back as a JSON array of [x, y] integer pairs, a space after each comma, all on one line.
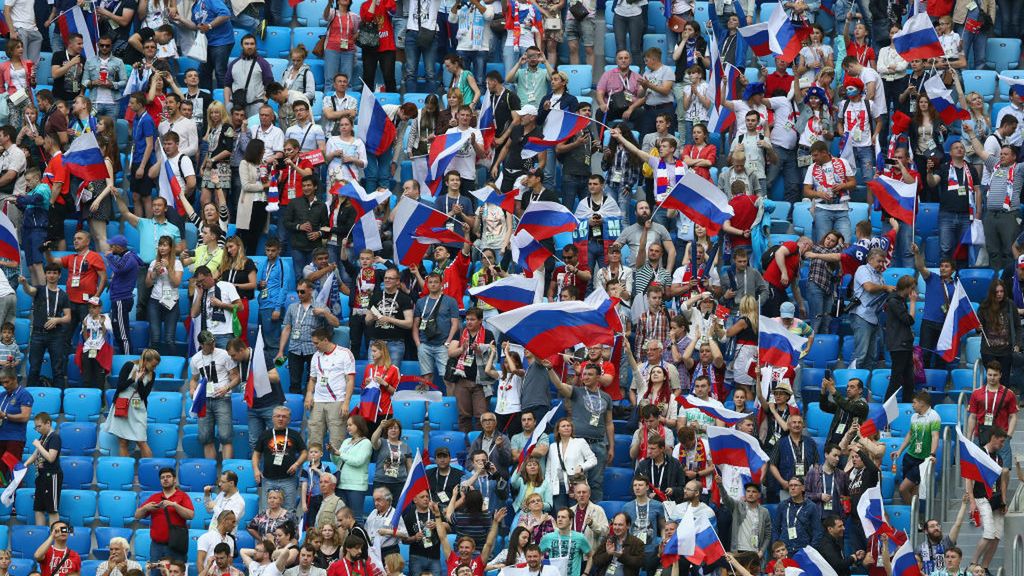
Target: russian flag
[[9, 247], [415, 483], [105, 355], [76, 20], [198, 407], [976, 464], [558, 127], [896, 196], [813, 563], [776, 345], [538, 432], [374, 126], [701, 201], [512, 292], [361, 201], [529, 254], [960, 320], [17, 472], [257, 385], [974, 236], [442, 151], [546, 219], [486, 124], [490, 195], [85, 159], [548, 329], [903, 562], [170, 188], [369, 401], [757, 37], [437, 235], [409, 216], [918, 39], [697, 541], [366, 234], [712, 408], [871, 510], [731, 446], [942, 99], [721, 118], [786, 36], [412, 387], [880, 416]]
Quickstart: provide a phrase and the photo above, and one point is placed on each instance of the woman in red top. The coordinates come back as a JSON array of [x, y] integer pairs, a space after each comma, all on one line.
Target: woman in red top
[[340, 44], [858, 45], [379, 12], [700, 156], [381, 370]]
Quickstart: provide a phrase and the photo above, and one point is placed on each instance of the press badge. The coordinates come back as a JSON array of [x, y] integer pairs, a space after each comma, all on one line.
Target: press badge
[[791, 532], [988, 419]]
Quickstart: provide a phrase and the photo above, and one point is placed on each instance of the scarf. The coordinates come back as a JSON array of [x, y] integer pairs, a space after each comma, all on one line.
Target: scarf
[[1007, 199], [464, 344], [273, 196], [663, 183], [839, 173], [645, 437], [1018, 296], [953, 183]]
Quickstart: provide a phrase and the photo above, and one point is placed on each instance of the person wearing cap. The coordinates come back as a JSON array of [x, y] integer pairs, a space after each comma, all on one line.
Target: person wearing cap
[[94, 338], [774, 413], [959, 197], [442, 478], [124, 267], [753, 99], [1001, 215], [815, 123], [510, 158], [215, 367], [1015, 109], [621, 79], [51, 314]]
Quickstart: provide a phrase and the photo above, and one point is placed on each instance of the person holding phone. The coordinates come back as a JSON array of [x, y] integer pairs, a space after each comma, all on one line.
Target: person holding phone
[[54, 556]]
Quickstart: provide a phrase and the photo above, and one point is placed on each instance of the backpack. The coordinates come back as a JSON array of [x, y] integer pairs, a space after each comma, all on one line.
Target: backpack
[[768, 256]]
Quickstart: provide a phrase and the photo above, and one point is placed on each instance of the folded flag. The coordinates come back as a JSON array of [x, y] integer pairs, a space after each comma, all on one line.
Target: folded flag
[[415, 484], [85, 159], [559, 126], [918, 39], [960, 321], [897, 197], [513, 291], [880, 416], [712, 408], [198, 407], [257, 384], [544, 220], [731, 446], [528, 253], [976, 464], [700, 200]]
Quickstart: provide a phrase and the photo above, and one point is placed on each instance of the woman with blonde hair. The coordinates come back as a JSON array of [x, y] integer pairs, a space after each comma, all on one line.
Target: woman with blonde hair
[[329, 547], [381, 370], [527, 480], [18, 73], [240, 270], [127, 419], [744, 330], [215, 172], [163, 278], [981, 124], [298, 76], [82, 121]]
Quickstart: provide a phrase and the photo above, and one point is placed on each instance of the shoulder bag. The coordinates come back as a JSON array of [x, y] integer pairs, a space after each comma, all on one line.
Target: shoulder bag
[[177, 536], [241, 97]]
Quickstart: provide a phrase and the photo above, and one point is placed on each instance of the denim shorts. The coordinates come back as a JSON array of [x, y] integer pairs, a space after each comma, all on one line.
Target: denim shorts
[[218, 412]]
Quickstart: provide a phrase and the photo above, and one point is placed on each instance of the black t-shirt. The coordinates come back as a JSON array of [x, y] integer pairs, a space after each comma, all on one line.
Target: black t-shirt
[[51, 442], [200, 103], [415, 522], [393, 306], [280, 449], [119, 34], [517, 138], [503, 106], [956, 200], [979, 487], [237, 277], [443, 484], [131, 55], [70, 85], [47, 304]]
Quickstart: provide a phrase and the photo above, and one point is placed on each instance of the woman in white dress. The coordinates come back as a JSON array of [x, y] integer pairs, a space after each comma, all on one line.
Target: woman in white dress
[[127, 417]]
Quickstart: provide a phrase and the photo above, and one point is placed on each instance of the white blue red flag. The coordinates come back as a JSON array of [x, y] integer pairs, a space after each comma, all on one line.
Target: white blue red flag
[[9, 248], [559, 126], [701, 201], [16, 472], [960, 321], [527, 252], [813, 563], [871, 511], [198, 406], [897, 197], [697, 541], [85, 159], [970, 243], [437, 235], [362, 201], [731, 446], [538, 432], [170, 187], [373, 124], [257, 383], [442, 151], [757, 37], [490, 195], [880, 415], [546, 219], [943, 102], [369, 401], [918, 39], [410, 216], [511, 292], [712, 408], [415, 484], [75, 20], [777, 345], [785, 35], [903, 562], [366, 234], [486, 124], [976, 464]]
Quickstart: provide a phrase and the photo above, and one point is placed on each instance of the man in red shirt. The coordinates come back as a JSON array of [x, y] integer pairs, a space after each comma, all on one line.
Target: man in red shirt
[[993, 405], [781, 273], [571, 273], [744, 207], [780, 79], [168, 506], [455, 273], [54, 556], [353, 561], [87, 275], [58, 179]]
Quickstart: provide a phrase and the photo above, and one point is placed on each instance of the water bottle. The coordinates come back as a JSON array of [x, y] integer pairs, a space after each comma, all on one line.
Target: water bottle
[[895, 455]]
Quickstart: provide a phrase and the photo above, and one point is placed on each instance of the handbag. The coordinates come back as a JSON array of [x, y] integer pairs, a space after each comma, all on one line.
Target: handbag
[[318, 50], [618, 103], [368, 35], [578, 10], [198, 49], [240, 97], [177, 536], [553, 23], [676, 24], [497, 24], [121, 407], [424, 36]]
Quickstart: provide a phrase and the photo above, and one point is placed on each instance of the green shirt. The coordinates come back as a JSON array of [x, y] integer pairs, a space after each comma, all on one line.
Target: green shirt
[[921, 428], [573, 546], [531, 85]]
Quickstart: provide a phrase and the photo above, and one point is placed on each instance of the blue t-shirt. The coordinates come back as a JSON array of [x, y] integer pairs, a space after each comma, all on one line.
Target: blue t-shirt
[[204, 12], [934, 300], [143, 128], [313, 480], [644, 521], [150, 233], [12, 403], [428, 308]]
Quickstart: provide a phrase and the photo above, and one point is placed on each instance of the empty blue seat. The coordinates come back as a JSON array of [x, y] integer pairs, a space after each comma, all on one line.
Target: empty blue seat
[[963, 380], [196, 473], [824, 352], [618, 483], [981, 81], [77, 472], [900, 518], [25, 540], [818, 421], [115, 473], [163, 439], [140, 545], [243, 468], [976, 282], [844, 375], [453, 440], [82, 404], [252, 507], [622, 458], [972, 351], [879, 384], [901, 425], [1002, 53], [164, 407], [149, 472], [935, 379], [201, 518], [307, 35], [414, 438], [443, 415], [23, 503], [803, 222], [927, 223], [295, 403], [78, 438], [810, 384], [45, 399], [611, 507], [117, 507], [581, 78], [410, 413], [78, 506]]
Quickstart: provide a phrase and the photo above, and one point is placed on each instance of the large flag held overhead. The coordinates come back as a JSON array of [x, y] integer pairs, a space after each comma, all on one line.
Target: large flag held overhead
[[373, 125], [257, 383], [366, 234], [918, 39], [559, 126], [529, 254], [731, 446], [880, 416], [976, 464], [410, 216], [897, 197], [813, 563], [512, 292], [546, 219], [785, 35], [712, 408], [76, 20], [776, 345], [701, 201], [960, 321]]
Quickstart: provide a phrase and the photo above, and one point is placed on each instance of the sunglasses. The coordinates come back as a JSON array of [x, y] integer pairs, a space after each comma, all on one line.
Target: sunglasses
[[105, 45], [300, 291]]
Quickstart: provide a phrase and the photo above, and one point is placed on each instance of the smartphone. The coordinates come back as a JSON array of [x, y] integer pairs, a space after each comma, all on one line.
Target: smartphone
[[828, 373]]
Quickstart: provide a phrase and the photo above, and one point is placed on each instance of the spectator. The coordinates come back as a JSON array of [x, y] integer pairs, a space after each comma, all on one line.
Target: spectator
[[54, 556], [228, 498], [933, 549], [222, 532], [168, 507], [329, 389], [795, 455], [390, 315], [117, 563], [50, 476], [435, 326], [378, 523], [900, 308], [301, 319], [276, 460], [393, 457], [306, 566], [127, 418], [990, 507], [51, 314], [247, 84], [848, 410], [383, 53], [272, 516]]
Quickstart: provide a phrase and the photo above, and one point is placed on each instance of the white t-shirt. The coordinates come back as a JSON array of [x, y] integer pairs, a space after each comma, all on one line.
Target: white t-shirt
[[23, 14], [182, 168], [509, 391], [856, 122], [336, 103], [273, 139], [878, 104], [784, 122], [659, 76], [348, 171], [235, 503], [330, 374], [309, 136], [163, 291], [185, 128], [740, 108], [208, 541], [218, 327], [14, 159], [268, 569], [216, 367], [464, 161]]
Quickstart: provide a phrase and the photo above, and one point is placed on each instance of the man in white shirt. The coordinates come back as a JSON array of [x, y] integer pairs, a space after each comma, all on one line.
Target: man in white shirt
[[272, 136], [259, 560], [338, 105], [784, 137], [222, 530], [181, 164], [828, 182], [229, 499], [307, 133], [1015, 109], [331, 381], [12, 171], [214, 303], [378, 523], [183, 126], [465, 159], [214, 365], [20, 16]]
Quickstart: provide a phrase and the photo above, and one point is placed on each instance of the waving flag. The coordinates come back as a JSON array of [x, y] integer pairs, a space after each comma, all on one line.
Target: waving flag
[[776, 345], [896, 196], [105, 355], [9, 249], [538, 432], [418, 388], [85, 159], [15, 473], [512, 292], [75, 20], [409, 216], [528, 253], [374, 126], [559, 126], [880, 416], [731, 446], [712, 408], [257, 384], [903, 562], [486, 124], [918, 39], [757, 37], [362, 201], [415, 483], [976, 464], [198, 407], [701, 201], [437, 235], [442, 151], [322, 298], [943, 101], [366, 234], [871, 511], [170, 188], [546, 219], [490, 195], [813, 563], [548, 329], [785, 35], [369, 401], [700, 537], [960, 320]]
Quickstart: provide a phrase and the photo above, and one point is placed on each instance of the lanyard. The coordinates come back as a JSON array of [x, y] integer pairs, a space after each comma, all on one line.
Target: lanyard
[[661, 475], [56, 302], [323, 375], [302, 315], [824, 480], [444, 487], [7, 400], [77, 265], [593, 406], [796, 461], [995, 402], [789, 509]]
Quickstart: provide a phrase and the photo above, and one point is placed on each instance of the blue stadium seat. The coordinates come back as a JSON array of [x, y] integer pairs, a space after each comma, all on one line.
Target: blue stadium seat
[[976, 282], [702, 14], [25, 540], [138, 335], [82, 404], [246, 481], [78, 438], [45, 399], [43, 70], [453, 440], [609, 46], [443, 415], [191, 447], [810, 384], [972, 350], [581, 78], [149, 472], [163, 439], [104, 535], [115, 473], [201, 519], [77, 472], [140, 545], [78, 506], [858, 212], [818, 421], [927, 223], [107, 444], [414, 438], [891, 445], [23, 502], [824, 352], [901, 425], [1004, 90], [879, 383], [239, 411], [948, 414], [622, 458], [252, 506], [891, 275], [658, 41], [803, 222], [410, 413], [936, 379], [116, 364], [295, 402], [309, 13], [196, 473], [117, 508], [900, 518], [963, 379], [888, 486], [981, 81], [611, 507], [306, 35], [1002, 53], [164, 407], [618, 483], [844, 375]]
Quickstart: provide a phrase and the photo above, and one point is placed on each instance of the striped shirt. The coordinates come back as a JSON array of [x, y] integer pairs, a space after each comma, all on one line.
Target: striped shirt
[[997, 184]]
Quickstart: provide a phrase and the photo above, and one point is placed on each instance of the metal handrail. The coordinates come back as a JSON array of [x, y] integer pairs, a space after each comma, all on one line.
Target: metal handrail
[[914, 503], [960, 408], [943, 484], [1017, 551], [974, 374]]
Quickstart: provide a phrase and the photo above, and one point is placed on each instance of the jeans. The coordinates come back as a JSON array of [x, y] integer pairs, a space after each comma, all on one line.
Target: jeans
[[160, 551], [300, 259], [595, 254], [218, 413], [162, 324], [339, 62], [865, 342], [32, 39], [378, 171], [271, 331], [396, 349], [54, 342], [413, 53], [595, 476], [112, 110], [290, 487], [974, 49], [951, 230], [624, 197], [260, 420], [901, 254], [1001, 229], [574, 189], [298, 372], [420, 564], [827, 220], [475, 61], [792, 189], [355, 500], [433, 358], [864, 157], [216, 62], [819, 303], [56, 41], [510, 55], [634, 28]]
